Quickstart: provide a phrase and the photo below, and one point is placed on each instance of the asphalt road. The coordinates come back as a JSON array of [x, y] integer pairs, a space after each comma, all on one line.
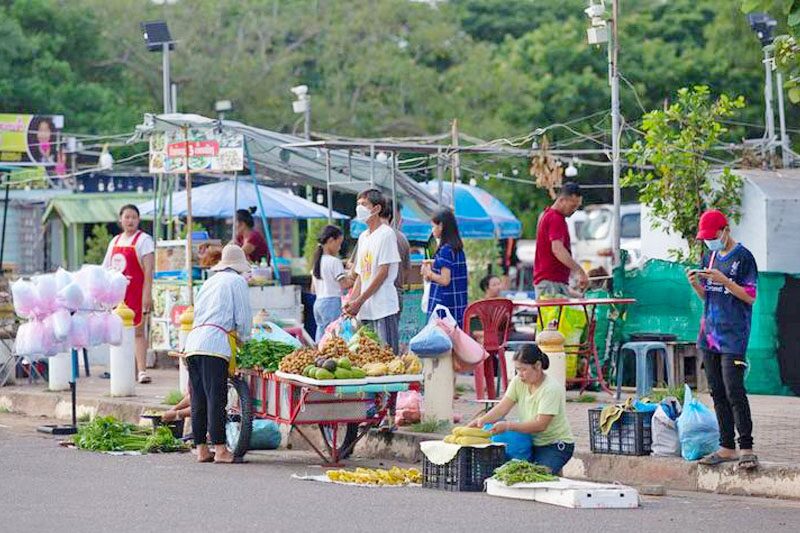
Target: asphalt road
[[44, 487]]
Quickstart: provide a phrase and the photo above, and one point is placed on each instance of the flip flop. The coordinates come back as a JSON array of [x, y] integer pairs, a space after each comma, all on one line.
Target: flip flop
[[748, 462], [207, 460], [715, 459]]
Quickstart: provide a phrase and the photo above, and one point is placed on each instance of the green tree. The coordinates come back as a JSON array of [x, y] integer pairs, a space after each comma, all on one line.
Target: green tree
[[97, 244], [786, 46], [679, 186]]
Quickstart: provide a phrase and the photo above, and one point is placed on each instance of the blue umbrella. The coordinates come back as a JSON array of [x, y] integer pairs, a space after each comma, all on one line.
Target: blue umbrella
[[479, 214], [216, 200]]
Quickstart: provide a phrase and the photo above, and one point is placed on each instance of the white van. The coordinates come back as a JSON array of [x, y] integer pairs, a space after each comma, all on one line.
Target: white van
[[593, 248]]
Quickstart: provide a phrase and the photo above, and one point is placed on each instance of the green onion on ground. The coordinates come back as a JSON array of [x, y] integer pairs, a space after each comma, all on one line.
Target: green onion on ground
[[107, 434], [519, 471]]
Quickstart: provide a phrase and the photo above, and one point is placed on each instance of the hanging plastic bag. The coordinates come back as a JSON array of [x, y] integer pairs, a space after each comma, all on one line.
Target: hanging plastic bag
[[79, 333], [664, 430], [467, 352], [71, 297], [426, 296], [697, 428], [431, 340], [114, 328], [97, 329], [343, 327], [62, 323], [47, 288], [409, 408], [25, 297], [117, 286], [63, 278], [518, 445]]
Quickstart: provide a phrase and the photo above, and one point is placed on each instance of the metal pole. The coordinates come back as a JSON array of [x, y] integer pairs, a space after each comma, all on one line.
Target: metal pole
[[174, 95], [165, 77], [786, 155], [307, 119], [371, 166], [188, 220], [156, 207], [440, 175], [5, 218], [170, 189], [769, 112], [328, 185], [235, 204], [613, 54], [395, 169], [455, 174]]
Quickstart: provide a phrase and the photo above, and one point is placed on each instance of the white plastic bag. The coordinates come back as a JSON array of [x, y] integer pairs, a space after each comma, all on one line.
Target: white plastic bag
[[97, 329], [666, 442], [71, 297], [62, 323], [47, 287], [114, 329], [25, 297], [426, 296], [117, 286], [79, 333], [63, 278], [431, 340]]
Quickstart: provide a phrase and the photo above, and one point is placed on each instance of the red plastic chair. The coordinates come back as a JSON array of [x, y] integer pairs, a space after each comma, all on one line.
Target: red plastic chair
[[494, 314]]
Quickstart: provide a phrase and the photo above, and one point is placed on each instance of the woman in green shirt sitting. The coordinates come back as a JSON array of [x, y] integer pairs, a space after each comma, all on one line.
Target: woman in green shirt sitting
[[541, 406]]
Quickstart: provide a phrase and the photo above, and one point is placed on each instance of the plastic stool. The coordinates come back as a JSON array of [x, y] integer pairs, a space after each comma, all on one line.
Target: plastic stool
[[644, 369]]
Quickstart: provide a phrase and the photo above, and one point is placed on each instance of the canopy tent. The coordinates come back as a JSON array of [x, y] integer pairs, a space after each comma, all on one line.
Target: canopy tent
[[479, 214], [220, 200]]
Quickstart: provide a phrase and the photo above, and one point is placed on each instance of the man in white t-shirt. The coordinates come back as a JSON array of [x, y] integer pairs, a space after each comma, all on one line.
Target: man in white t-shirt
[[374, 298]]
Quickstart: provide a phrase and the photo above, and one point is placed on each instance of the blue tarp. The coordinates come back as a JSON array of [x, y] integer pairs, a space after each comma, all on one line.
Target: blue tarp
[[480, 216], [216, 201]]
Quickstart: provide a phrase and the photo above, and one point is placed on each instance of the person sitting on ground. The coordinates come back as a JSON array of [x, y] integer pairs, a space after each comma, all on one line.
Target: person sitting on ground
[[541, 406]]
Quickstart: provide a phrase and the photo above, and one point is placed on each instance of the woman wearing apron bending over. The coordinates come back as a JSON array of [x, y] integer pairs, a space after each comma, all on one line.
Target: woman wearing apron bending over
[[132, 253]]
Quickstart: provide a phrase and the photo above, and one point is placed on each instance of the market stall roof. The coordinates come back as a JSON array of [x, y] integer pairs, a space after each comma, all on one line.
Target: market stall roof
[[274, 156], [91, 208], [216, 200]]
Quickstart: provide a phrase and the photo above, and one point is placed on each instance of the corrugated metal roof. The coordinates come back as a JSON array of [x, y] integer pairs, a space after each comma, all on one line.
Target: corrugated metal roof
[[91, 208]]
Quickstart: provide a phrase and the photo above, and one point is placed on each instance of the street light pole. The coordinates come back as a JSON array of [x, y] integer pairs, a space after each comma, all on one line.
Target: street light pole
[[165, 79], [785, 150], [613, 71], [770, 114]]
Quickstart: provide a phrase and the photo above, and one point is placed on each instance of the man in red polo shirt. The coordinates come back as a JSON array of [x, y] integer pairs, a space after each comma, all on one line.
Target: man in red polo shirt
[[553, 262]]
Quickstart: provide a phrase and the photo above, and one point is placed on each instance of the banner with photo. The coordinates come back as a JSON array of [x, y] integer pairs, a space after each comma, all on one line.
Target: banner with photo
[[209, 150], [30, 140]]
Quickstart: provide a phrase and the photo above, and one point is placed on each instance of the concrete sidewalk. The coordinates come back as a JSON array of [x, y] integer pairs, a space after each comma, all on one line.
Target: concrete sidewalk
[[776, 434]]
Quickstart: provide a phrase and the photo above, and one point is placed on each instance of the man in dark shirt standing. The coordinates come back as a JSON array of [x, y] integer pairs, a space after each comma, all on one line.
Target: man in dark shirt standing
[[553, 261], [727, 285]]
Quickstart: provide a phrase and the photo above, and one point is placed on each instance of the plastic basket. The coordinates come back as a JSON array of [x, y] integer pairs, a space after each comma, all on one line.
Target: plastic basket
[[630, 435], [466, 472]]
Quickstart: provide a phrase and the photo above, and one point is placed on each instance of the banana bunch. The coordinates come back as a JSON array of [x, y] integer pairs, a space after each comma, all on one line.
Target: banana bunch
[[412, 363], [468, 436], [376, 476]]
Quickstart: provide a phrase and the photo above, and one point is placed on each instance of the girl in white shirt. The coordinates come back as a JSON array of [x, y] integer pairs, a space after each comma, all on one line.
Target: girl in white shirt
[[329, 278]]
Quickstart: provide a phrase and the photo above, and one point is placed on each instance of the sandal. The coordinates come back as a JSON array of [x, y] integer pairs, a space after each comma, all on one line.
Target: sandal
[[144, 378], [715, 459], [748, 462]]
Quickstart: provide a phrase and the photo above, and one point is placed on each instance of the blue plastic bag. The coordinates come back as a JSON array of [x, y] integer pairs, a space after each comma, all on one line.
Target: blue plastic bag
[[431, 341], [698, 430], [518, 445], [266, 435]]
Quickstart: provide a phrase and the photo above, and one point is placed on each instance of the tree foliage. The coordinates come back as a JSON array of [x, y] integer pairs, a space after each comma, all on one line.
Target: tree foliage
[[676, 143]]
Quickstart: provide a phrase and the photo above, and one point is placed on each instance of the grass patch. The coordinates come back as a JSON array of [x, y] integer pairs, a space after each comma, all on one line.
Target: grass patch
[[656, 396], [4, 409], [173, 397], [583, 398], [85, 417], [429, 425], [461, 388]]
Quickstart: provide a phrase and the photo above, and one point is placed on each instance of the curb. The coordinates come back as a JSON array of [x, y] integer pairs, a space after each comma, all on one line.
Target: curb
[[770, 480]]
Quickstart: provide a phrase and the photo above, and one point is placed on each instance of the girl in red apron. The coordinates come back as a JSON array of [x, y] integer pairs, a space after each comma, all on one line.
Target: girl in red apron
[[137, 265]]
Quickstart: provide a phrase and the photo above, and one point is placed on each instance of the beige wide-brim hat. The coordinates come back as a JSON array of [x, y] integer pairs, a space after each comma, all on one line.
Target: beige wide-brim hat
[[232, 257]]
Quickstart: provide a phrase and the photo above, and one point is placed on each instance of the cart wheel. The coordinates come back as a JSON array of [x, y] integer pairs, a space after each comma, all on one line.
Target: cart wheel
[[238, 417], [345, 437]]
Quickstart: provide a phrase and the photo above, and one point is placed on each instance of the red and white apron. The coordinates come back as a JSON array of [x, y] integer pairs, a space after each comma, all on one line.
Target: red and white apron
[[126, 260]]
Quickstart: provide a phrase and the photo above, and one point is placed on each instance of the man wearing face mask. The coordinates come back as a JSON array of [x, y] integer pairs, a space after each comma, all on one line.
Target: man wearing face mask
[[374, 298], [727, 285], [553, 261]]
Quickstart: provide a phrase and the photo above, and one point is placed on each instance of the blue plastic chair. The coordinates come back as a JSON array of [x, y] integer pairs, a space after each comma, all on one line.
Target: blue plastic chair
[[644, 365]]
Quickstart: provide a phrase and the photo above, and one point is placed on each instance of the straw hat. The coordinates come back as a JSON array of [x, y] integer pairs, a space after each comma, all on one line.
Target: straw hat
[[232, 257]]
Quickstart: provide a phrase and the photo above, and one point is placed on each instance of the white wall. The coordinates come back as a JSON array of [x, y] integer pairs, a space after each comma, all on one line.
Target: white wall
[[783, 241], [751, 229], [656, 243]]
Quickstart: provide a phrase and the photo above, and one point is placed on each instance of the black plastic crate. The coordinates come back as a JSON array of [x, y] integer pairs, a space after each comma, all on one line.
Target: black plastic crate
[[466, 472], [630, 435]]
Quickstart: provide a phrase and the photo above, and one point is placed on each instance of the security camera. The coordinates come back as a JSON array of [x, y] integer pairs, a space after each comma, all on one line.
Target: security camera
[[300, 90], [595, 10]]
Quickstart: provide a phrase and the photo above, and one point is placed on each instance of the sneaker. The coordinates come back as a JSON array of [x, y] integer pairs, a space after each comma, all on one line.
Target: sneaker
[[144, 378]]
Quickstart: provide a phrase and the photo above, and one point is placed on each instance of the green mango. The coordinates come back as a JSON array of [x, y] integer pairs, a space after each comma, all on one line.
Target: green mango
[[357, 373], [345, 363], [323, 374], [343, 373], [307, 370]]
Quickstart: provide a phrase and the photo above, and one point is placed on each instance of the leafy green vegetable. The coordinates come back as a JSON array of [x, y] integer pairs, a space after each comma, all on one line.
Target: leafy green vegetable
[[518, 471], [368, 332], [264, 354], [173, 397], [107, 434]]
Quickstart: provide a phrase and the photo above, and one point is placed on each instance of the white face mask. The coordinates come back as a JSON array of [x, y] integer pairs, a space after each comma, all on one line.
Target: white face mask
[[362, 213]]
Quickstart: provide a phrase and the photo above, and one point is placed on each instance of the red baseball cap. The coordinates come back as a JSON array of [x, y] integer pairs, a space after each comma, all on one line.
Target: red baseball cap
[[710, 223]]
